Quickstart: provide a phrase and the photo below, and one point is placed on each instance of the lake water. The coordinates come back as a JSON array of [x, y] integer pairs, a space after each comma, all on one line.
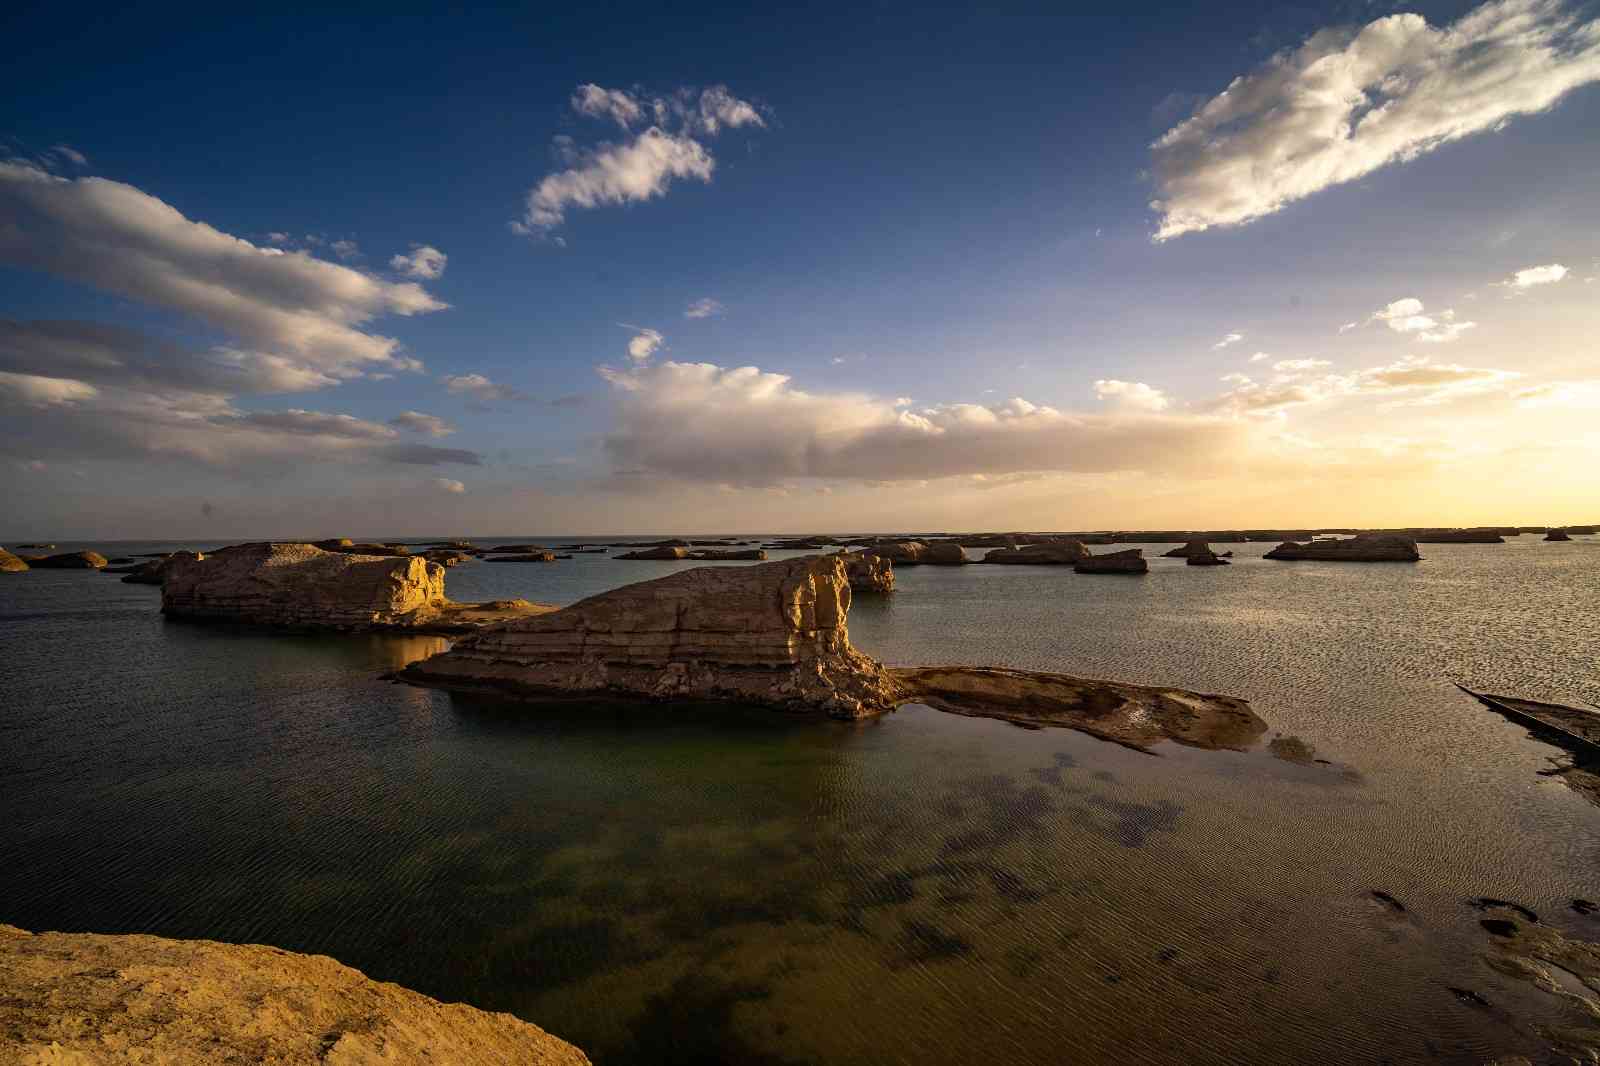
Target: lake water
[[695, 885]]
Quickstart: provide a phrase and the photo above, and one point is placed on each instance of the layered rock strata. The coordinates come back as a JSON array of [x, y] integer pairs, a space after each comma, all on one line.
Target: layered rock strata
[[86, 998], [300, 586], [1364, 548]]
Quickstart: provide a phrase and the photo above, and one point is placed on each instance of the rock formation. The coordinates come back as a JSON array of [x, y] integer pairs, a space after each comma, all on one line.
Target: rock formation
[[540, 556], [518, 549], [1362, 548], [1557, 534], [1042, 553], [1191, 547], [899, 552], [336, 544], [775, 635], [52, 547], [70, 561], [1458, 536], [699, 555], [655, 553], [868, 573], [945, 553], [300, 586], [1129, 561], [154, 572], [85, 998], [1207, 558], [10, 564], [446, 557], [771, 635], [1137, 716]]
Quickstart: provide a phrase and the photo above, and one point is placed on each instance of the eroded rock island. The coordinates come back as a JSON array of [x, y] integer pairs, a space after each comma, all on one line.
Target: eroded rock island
[[83, 998], [1364, 548], [775, 635]]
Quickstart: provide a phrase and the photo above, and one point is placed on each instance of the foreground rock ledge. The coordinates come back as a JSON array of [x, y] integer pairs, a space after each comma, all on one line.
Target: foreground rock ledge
[[775, 635], [81, 998]]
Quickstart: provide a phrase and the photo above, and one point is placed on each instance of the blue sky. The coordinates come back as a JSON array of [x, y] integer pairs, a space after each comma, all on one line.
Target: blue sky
[[938, 224]]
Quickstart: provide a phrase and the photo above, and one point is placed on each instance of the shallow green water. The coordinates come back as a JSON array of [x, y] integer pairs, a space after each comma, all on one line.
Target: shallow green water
[[698, 885]]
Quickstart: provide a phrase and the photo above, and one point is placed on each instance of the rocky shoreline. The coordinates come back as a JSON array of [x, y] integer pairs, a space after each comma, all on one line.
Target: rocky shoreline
[[87, 998]]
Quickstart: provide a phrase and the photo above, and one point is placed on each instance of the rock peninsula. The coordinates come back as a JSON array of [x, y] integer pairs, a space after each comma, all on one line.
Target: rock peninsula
[[11, 564], [86, 998], [301, 586]]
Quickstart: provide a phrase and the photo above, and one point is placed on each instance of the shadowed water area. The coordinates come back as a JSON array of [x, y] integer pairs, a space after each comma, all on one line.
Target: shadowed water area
[[697, 884]]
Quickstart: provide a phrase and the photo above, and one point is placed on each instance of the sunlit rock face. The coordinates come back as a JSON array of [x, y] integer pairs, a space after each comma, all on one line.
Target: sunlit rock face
[[302, 586], [868, 573], [770, 635], [1365, 548], [87, 998]]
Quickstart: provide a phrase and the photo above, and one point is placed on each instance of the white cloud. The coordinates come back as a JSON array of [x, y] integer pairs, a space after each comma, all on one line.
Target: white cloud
[[1548, 274], [1260, 357], [1348, 326], [643, 167], [287, 309], [643, 344], [1406, 316], [34, 390], [310, 423], [1232, 338], [1577, 394], [1349, 101], [71, 155], [445, 484], [705, 307], [480, 392], [1412, 381], [595, 102], [425, 261], [417, 422], [1290, 366], [1131, 395], [744, 426]]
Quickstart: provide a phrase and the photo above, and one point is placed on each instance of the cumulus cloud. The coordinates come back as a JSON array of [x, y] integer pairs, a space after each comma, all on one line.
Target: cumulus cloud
[[1131, 395], [417, 422], [1548, 274], [1232, 338], [285, 308], [705, 307], [1407, 316], [424, 261], [746, 426], [1352, 100], [642, 167], [644, 343], [445, 484], [482, 393]]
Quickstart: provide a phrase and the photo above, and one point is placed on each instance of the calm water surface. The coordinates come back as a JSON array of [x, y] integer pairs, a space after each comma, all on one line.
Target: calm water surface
[[700, 885]]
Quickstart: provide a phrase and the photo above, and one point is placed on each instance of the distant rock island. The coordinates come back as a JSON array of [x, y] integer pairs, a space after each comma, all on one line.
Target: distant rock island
[[1366, 548], [301, 586], [87, 998], [775, 635]]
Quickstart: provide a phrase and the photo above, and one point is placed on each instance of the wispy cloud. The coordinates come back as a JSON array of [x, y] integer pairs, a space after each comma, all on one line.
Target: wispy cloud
[[1350, 101], [417, 422], [705, 307], [1231, 338]]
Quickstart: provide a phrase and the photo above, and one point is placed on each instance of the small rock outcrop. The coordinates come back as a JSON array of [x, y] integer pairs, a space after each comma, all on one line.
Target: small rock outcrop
[[11, 564], [704, 555], [70, 561], [1362, 548], [899, 552], [1207, 558], [770, 635], [540, 556], [1128, 561], [945, 553], [86, 998], [655, 554], [1044, 553], [1192, 547], [1458, 536], [868, 573], [1557, 534], [154, 572]]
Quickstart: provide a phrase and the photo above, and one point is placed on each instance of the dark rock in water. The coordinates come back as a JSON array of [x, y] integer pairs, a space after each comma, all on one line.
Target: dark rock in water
[[804, 544], [1130, 561], [669, 553], [671, 542], [899, 552], [1499, 926], [120, 560], [1192, 547], [1388, 901], [1467, 996], [517, 549], [711, 555], [1204, 556], [1557, 534], [945, 553], [524, 557], [70, 561], [154, 572], [1049, 553], [36, 547], [1585, 907], [1488, 903], [11, 564], [1458, 536], [334, 544], [1363, 548]]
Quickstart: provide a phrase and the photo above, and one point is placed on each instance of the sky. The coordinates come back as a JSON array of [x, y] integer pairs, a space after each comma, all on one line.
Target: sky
[[628, 270]]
